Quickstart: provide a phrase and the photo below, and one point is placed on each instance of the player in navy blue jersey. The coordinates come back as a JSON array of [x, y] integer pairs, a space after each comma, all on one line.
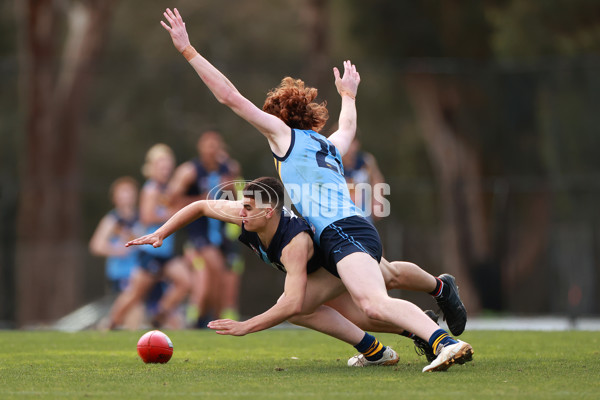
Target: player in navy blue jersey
[[310, 167], [285, 241], [208, 248]]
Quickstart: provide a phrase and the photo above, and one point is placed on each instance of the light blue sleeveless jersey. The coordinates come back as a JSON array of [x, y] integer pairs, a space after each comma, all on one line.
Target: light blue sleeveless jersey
[[313, 176]]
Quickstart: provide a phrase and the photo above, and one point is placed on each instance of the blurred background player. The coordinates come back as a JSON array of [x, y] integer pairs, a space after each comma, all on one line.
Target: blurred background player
[[361, 171], [234, 261], [211, 247], [114, 229], [155, 265]]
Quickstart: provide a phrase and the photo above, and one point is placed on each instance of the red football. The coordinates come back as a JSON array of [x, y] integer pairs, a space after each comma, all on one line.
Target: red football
[[155, 347]]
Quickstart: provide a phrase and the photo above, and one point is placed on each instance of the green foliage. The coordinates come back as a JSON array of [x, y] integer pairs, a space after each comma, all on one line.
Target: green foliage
[[296, 364]]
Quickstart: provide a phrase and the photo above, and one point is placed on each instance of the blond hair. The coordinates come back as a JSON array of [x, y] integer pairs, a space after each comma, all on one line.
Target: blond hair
[[155, 152]]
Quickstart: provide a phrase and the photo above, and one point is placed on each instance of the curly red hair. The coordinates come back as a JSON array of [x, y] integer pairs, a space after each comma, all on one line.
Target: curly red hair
[[293, 103]]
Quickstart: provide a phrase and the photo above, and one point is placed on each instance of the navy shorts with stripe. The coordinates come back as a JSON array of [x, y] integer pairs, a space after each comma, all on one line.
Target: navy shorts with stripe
[[350, 235]]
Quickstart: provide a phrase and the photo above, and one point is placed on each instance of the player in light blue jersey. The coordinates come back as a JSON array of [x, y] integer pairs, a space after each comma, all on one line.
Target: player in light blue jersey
[[311, 164], [155, 264], [315, 184]]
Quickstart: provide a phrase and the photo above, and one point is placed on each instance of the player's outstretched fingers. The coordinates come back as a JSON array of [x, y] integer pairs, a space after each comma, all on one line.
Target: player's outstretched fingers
[[177, 14], [167, 16]]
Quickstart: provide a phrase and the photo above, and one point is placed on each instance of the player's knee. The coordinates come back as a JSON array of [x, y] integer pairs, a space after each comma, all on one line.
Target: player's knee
[[372, 309], [187, 286], [183, 284]]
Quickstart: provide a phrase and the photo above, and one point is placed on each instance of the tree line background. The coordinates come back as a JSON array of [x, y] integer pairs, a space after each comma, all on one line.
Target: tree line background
[[483, 116]]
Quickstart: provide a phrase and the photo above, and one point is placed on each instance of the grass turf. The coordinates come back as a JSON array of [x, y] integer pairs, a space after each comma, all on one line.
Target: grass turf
[[292, 364]]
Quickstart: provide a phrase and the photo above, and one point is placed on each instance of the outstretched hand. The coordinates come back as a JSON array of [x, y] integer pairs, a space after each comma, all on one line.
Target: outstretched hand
[[177, 29], [152, 239], [228, 327], [348, 83]]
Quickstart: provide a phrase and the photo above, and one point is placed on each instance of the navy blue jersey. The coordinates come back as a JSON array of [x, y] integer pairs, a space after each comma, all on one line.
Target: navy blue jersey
[[289, 227], [124, 223], [206, 231], [358, 174], [207, 180]]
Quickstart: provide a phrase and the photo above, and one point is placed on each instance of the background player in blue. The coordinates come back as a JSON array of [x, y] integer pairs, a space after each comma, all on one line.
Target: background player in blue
[[286, 242], [155, 265], [113, 229], [311, 169], [207, 245], [361, 172]]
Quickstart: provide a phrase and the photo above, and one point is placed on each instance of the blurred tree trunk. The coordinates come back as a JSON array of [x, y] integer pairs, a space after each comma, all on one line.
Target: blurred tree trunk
[[458, 170], [475, 236], [317, 21], [49, 252]]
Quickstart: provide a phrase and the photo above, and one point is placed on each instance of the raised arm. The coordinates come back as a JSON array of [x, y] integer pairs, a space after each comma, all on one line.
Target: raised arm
[[223, 210], [347, 86], [274, 129]]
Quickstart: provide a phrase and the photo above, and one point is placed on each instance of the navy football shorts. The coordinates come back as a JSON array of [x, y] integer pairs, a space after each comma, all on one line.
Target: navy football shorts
[[350, 235]]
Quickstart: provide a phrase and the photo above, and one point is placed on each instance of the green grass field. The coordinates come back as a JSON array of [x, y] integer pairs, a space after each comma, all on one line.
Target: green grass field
[[292, 364]]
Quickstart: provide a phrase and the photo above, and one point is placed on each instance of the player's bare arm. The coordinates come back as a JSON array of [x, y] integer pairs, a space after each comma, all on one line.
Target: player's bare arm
[[100, 244], [347, 87], [149, 198], [183, 177], [223, 210], [375, 178], [294, 257], [275, 130]]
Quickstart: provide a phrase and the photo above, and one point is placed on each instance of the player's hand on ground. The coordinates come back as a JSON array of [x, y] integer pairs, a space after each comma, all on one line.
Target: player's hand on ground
[[349, 81], [152, 239], [228, 327], [176, 29]]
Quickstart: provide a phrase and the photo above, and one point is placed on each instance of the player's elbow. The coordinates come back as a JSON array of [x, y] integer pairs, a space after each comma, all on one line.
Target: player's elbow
[[224, 100], [96, 249], [199, 208], [228, 97], [294, 308]]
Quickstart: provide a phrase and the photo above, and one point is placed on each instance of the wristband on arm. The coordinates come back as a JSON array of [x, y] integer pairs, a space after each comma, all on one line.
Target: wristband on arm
[[189, 52], [347, 93]]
